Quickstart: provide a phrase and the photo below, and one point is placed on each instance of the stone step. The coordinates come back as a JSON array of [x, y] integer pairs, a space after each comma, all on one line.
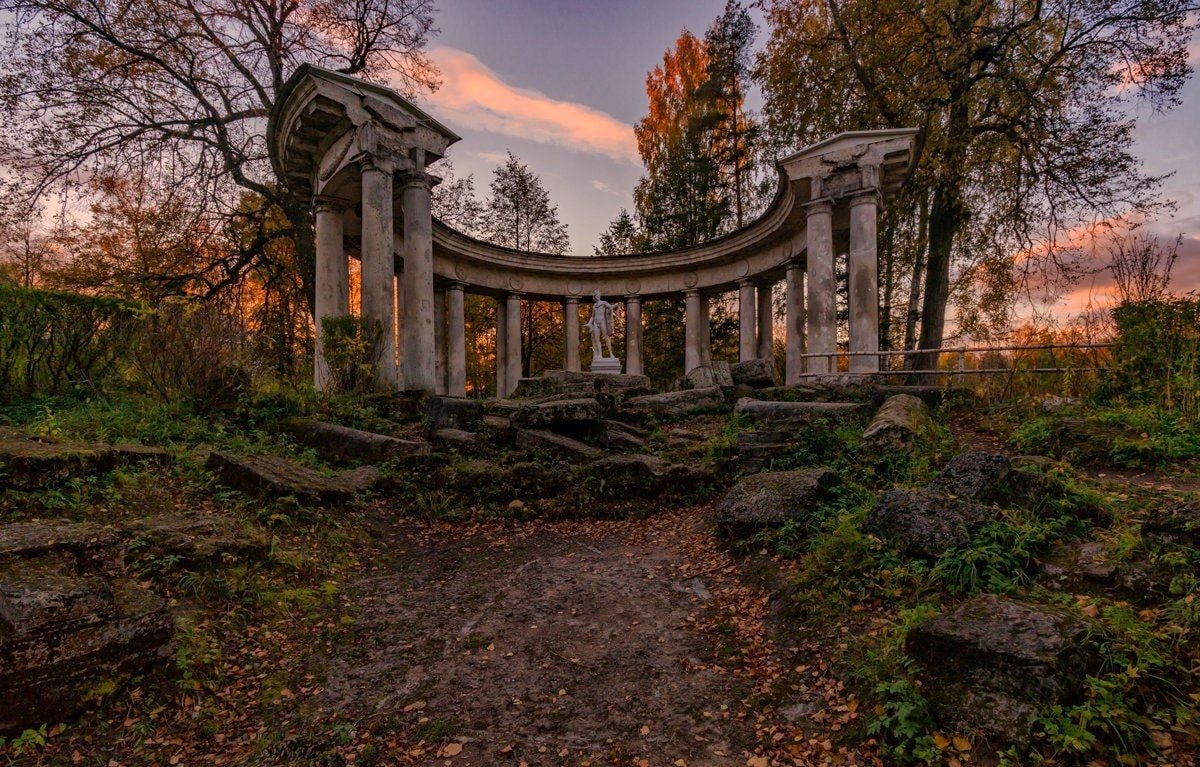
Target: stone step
[[198, 540], [273, 477], [762, 410], [674, 404], [342, 444], [30, 464], [557, 413], [556, 445]]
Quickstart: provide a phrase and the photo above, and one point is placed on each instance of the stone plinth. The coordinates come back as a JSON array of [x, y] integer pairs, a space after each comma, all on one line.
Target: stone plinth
[[609, 365]]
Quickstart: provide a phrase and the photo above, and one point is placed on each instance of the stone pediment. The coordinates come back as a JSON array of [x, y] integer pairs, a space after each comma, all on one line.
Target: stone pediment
[[320, 109]]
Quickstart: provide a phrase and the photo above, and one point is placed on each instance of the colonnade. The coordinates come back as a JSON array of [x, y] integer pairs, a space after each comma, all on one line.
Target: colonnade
[[361, 151], [431, 330]]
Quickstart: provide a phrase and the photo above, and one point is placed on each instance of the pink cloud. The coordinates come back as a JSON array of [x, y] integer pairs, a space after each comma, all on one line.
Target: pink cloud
[[473, 96]]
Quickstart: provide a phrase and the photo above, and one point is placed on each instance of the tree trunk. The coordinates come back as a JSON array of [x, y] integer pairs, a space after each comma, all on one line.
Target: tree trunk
[[303, 240], [947, 214], [887, 254], [918, 272]]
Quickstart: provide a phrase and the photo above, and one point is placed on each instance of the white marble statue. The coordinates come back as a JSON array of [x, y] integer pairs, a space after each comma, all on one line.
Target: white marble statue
[[601, 325]]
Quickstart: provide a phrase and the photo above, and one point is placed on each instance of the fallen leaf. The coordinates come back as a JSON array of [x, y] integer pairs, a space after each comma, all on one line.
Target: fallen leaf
[[452, 749], [961, 743], [645, 730]]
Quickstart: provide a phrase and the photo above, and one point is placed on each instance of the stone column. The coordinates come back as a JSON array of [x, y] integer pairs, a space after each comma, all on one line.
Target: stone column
[[747, 321], [864, 282], [439, 341], [456, 342], [692, 328], [379, 266], [512, 356], [501, 348], [333, 279], [705, 332], [633, 335], [822, 288], [794, 331], [766, 322], [571, 334], [417, 336]]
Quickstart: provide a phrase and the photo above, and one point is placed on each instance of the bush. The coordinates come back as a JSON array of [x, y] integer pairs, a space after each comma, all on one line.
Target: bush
[[190, 351], [352, 351], [55, 343], [1158, 348]]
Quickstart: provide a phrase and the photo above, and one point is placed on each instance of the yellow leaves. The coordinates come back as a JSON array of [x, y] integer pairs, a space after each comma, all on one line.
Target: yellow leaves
[[452, 749], [645, 730], [414, 706], [942, 742], [757, 761]]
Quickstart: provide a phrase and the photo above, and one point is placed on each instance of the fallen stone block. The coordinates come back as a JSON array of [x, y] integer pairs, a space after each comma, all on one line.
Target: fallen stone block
[[756, 450], [341, 444], [620, 437], [90, 547], [716, 374], [72, 628], [573, 412], [772, 499], [273, 477], [456, 440], [992, 663], [198, 540], [674, 404], [556, 445], [453, 413], [900, 421], [756, 373], [760, 410], [925, 524]]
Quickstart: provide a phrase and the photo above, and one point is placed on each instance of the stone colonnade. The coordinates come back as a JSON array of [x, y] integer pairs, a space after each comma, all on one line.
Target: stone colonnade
[[361, 152], [431, 327]]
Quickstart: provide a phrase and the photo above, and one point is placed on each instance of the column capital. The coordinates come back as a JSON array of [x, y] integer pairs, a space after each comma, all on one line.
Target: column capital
[[746, 282], [416, 180], [326, 204], [633, 298], [571, 300], [864, 196], [795, 266], [693, 293], [818, 206], [376, 162], [456, 285]]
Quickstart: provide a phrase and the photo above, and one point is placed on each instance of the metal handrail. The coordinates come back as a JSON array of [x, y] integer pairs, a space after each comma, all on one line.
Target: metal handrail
[[961, 352]]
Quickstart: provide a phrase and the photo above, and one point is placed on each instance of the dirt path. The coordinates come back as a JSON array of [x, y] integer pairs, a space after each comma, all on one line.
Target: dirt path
[[571, 643]]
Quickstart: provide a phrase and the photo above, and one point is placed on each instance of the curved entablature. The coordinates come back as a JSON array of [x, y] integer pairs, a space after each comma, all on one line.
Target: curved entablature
[[362, 153]]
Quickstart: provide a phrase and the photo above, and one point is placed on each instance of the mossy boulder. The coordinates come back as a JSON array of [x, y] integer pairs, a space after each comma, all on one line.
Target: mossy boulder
[[773, 499], [992, 663]]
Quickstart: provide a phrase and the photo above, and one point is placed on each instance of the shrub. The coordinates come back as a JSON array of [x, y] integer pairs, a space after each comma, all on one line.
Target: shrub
[[190, 351], [352, 351], [55, 343], [1158, 348]]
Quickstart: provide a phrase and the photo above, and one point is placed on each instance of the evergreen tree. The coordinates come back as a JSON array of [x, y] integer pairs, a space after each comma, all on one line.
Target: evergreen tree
[[519, 214]]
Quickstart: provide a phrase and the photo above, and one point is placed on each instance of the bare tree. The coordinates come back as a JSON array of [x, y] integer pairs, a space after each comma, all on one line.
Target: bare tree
[[1140, 266], [184, 87]]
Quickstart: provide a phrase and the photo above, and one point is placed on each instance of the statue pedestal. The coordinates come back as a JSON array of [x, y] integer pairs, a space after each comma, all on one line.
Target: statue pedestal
[[606, 365]]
